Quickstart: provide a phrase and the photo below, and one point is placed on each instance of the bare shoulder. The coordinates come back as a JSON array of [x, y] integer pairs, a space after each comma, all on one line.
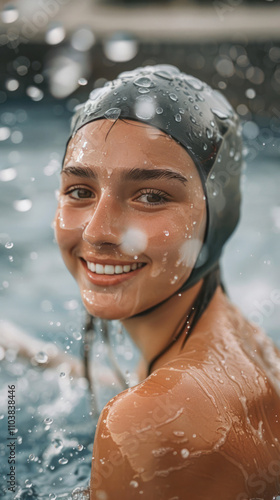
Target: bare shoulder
[[197, 424], [155, 440]]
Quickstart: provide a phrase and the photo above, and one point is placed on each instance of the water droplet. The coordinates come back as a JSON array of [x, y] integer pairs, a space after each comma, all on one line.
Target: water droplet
[[179, 433], [31, 458], [159, 111], [209, 133], [41, 357], [212, 176], [48, 421], [9, 245], [52, 496], [185, 453], [77, 335], [200, 98], [205, 147], [80, 447], [173, 97], [28, 483], [62, 375], [193, 120], [195, 84], [133, 484], [112, 113], [144, 81], [63, 461], [212, 123], [164, 74], [82, 81], [22, 205], [143, 90], [11, 259], [166, 233], [220, 114], [178, 117]]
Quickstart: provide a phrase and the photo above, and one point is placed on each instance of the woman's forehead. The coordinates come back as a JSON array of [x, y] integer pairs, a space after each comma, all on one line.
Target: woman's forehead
[[129, 139]]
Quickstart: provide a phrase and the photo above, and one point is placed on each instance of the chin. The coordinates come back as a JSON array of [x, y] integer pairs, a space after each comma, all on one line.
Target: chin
[[109, 313]]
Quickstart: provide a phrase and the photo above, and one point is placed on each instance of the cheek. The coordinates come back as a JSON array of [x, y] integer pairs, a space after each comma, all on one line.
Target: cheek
[[65, 237], [174, 244]]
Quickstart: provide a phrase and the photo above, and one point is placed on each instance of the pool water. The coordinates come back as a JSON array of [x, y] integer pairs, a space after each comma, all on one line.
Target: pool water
[[55, 416]]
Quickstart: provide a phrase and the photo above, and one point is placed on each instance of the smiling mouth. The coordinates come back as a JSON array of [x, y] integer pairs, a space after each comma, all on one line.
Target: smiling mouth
[[111, 270]]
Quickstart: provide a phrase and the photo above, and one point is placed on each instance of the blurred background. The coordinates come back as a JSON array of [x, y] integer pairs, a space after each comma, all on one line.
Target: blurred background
[[52, 54]]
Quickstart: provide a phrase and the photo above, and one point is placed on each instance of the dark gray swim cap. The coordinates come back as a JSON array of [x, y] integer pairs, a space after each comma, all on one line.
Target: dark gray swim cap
[[197, 117]]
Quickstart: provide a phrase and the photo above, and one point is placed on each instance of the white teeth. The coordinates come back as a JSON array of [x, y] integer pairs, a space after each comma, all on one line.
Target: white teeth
[[110, 269], [91, 266], [99, 269]]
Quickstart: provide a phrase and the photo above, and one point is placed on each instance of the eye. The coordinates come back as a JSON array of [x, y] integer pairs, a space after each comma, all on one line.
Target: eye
[[80, 193], [153, 197]]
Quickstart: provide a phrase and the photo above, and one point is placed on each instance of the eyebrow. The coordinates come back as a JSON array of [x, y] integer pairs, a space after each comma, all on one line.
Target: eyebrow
[[135, 174]]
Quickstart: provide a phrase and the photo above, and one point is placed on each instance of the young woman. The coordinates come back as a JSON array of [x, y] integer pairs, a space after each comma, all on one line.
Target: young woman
[[149, 194]]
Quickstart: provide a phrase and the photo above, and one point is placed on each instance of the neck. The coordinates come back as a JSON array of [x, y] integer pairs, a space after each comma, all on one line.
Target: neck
[[151, 332]]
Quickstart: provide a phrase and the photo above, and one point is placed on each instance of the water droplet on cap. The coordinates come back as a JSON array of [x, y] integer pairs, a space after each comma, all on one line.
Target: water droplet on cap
[[173, 97], [112, 113], [164, 74], [159, 111], [209, 133], [178, 117], [144, 81], [63, 461], [219, 113], [143, 90], [195, 84], [9, 245]]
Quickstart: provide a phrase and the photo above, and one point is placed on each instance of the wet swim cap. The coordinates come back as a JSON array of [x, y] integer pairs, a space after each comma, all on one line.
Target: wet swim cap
[[197, 117]]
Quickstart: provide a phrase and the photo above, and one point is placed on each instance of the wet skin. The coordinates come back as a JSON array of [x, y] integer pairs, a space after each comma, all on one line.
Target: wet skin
[[204, 424]]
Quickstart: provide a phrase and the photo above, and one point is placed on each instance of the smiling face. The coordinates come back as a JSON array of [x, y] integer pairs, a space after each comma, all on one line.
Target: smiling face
[[131, 216]]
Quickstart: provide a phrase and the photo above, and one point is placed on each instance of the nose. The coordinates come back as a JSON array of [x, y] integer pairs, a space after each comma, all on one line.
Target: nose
[[105, 225]]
